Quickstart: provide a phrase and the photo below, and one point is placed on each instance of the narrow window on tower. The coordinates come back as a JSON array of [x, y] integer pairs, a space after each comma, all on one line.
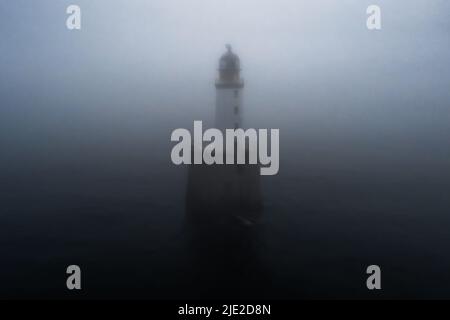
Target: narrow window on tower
[[236, 110], [236, 93]]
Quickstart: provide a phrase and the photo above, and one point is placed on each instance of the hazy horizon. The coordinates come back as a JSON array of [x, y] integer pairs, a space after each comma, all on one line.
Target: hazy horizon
[[364, 119]]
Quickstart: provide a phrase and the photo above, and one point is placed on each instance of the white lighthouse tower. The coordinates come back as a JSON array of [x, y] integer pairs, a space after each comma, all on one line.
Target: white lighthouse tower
[[217, 193], [229, 87]]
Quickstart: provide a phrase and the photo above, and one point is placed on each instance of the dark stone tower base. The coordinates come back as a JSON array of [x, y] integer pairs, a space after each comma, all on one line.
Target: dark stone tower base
[[224, 193]]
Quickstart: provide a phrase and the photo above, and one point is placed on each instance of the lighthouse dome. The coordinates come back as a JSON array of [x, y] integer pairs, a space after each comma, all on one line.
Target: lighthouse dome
[[229, 60], [229, 65]]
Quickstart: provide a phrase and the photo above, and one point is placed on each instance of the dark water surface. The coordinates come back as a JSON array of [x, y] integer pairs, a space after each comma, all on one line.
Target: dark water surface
[[107, 198]]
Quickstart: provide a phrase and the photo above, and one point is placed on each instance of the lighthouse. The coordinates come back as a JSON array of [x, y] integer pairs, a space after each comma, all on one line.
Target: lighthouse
[[229, 87], [224, 193]]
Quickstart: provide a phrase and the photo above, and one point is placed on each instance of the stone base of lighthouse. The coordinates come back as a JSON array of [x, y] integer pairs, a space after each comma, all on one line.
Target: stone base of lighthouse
[[223, 194]]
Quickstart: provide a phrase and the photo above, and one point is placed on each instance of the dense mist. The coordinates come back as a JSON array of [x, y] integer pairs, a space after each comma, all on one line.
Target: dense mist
[[364, 119]]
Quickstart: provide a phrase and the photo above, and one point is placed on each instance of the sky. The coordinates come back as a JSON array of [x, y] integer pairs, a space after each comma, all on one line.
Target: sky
[[297, 43], [146, 64]]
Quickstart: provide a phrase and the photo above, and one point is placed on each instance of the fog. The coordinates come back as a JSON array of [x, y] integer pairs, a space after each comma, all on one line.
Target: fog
[[364, 119], [310, 67], [139, 69]]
